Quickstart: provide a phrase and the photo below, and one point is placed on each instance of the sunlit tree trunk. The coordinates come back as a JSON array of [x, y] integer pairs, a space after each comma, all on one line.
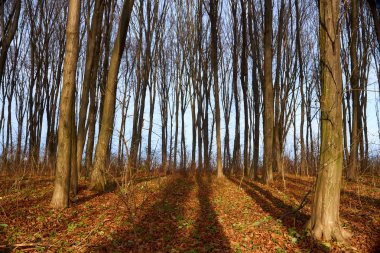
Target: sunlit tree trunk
[[253, 34], [352, 169], [60, 197], [93, 39], [236, 150], [98, 180], [244, 84], [214, 62], [324, 222], [205, 125], [304, 168], [268, 93], [277, 93]]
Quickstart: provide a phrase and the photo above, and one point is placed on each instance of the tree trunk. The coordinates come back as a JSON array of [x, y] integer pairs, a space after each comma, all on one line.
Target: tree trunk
[[268, 93], [74, 168], [324, 222], [98, 180], [255, 87], [8, 34], [214, 62], [304, 168], [93, 39], [244, 85], [352, 169], [60, 197], [375, 11], [236, 151]]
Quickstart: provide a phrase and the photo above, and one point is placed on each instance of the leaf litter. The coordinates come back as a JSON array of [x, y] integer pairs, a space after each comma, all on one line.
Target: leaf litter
[[180, 213]]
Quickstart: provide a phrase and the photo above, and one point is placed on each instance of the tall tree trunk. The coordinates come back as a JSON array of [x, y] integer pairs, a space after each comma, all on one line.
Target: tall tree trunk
[[214, 62], [244, 84], [324, 222], [137, 128], [176, 126], [60, 197], [109, 17], [277, 121], [352, 169], [375, 11], [8, 34], [304, 168], [268, 93], [255, 87], [205, 125], [194, 132], [92, 41], [74, 169], [199, 84], [91, 130], [236, 151], [152, 100], [98, 180]]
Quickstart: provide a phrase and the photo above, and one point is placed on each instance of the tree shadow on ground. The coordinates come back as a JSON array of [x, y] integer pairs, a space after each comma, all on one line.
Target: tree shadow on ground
[[359, 222], [269, 203], [275, 207], [300, 181], [164, 227], [158, 229], [208, 231], [358, 201]]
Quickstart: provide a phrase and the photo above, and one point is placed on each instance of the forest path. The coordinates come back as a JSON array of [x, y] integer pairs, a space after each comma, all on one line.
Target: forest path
[[181, 213]]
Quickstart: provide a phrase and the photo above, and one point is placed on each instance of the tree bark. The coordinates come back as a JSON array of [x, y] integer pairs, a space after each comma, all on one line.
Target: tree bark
[[214, 62], [60, 197], [352, 169], [268, 93], [375, 11], [324, 222], [8, 34], [92, 41], [255, 86], [98, 180], [236, 151], [304, 168], [244, 85]]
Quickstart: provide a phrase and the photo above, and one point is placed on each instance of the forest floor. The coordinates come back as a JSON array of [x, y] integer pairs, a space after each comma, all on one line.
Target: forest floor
[[181, 213]]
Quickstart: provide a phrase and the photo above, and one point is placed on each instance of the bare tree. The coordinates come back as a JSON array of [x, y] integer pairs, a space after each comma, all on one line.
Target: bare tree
[[213, 14], [93, 42], [324, 222], [8, 30], [268, 93], [352, 169], [98, 180], [60, 197]]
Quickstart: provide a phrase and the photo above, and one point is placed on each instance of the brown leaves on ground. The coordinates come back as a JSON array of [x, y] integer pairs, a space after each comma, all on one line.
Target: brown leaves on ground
[[182, 214]]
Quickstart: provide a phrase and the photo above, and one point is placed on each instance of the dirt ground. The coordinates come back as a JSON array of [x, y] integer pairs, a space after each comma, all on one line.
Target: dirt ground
[[181, 213]]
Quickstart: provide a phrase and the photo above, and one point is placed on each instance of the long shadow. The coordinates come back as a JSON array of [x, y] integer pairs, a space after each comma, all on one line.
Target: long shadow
[[147, 179], [83, 199], [271, 204], [208, 231], [277, 208], [365, 201], [158, 229], [111, 187], [299, 181]]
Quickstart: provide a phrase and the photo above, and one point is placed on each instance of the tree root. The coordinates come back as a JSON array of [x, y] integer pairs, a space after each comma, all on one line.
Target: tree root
[[333, 232], [302, 204]]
